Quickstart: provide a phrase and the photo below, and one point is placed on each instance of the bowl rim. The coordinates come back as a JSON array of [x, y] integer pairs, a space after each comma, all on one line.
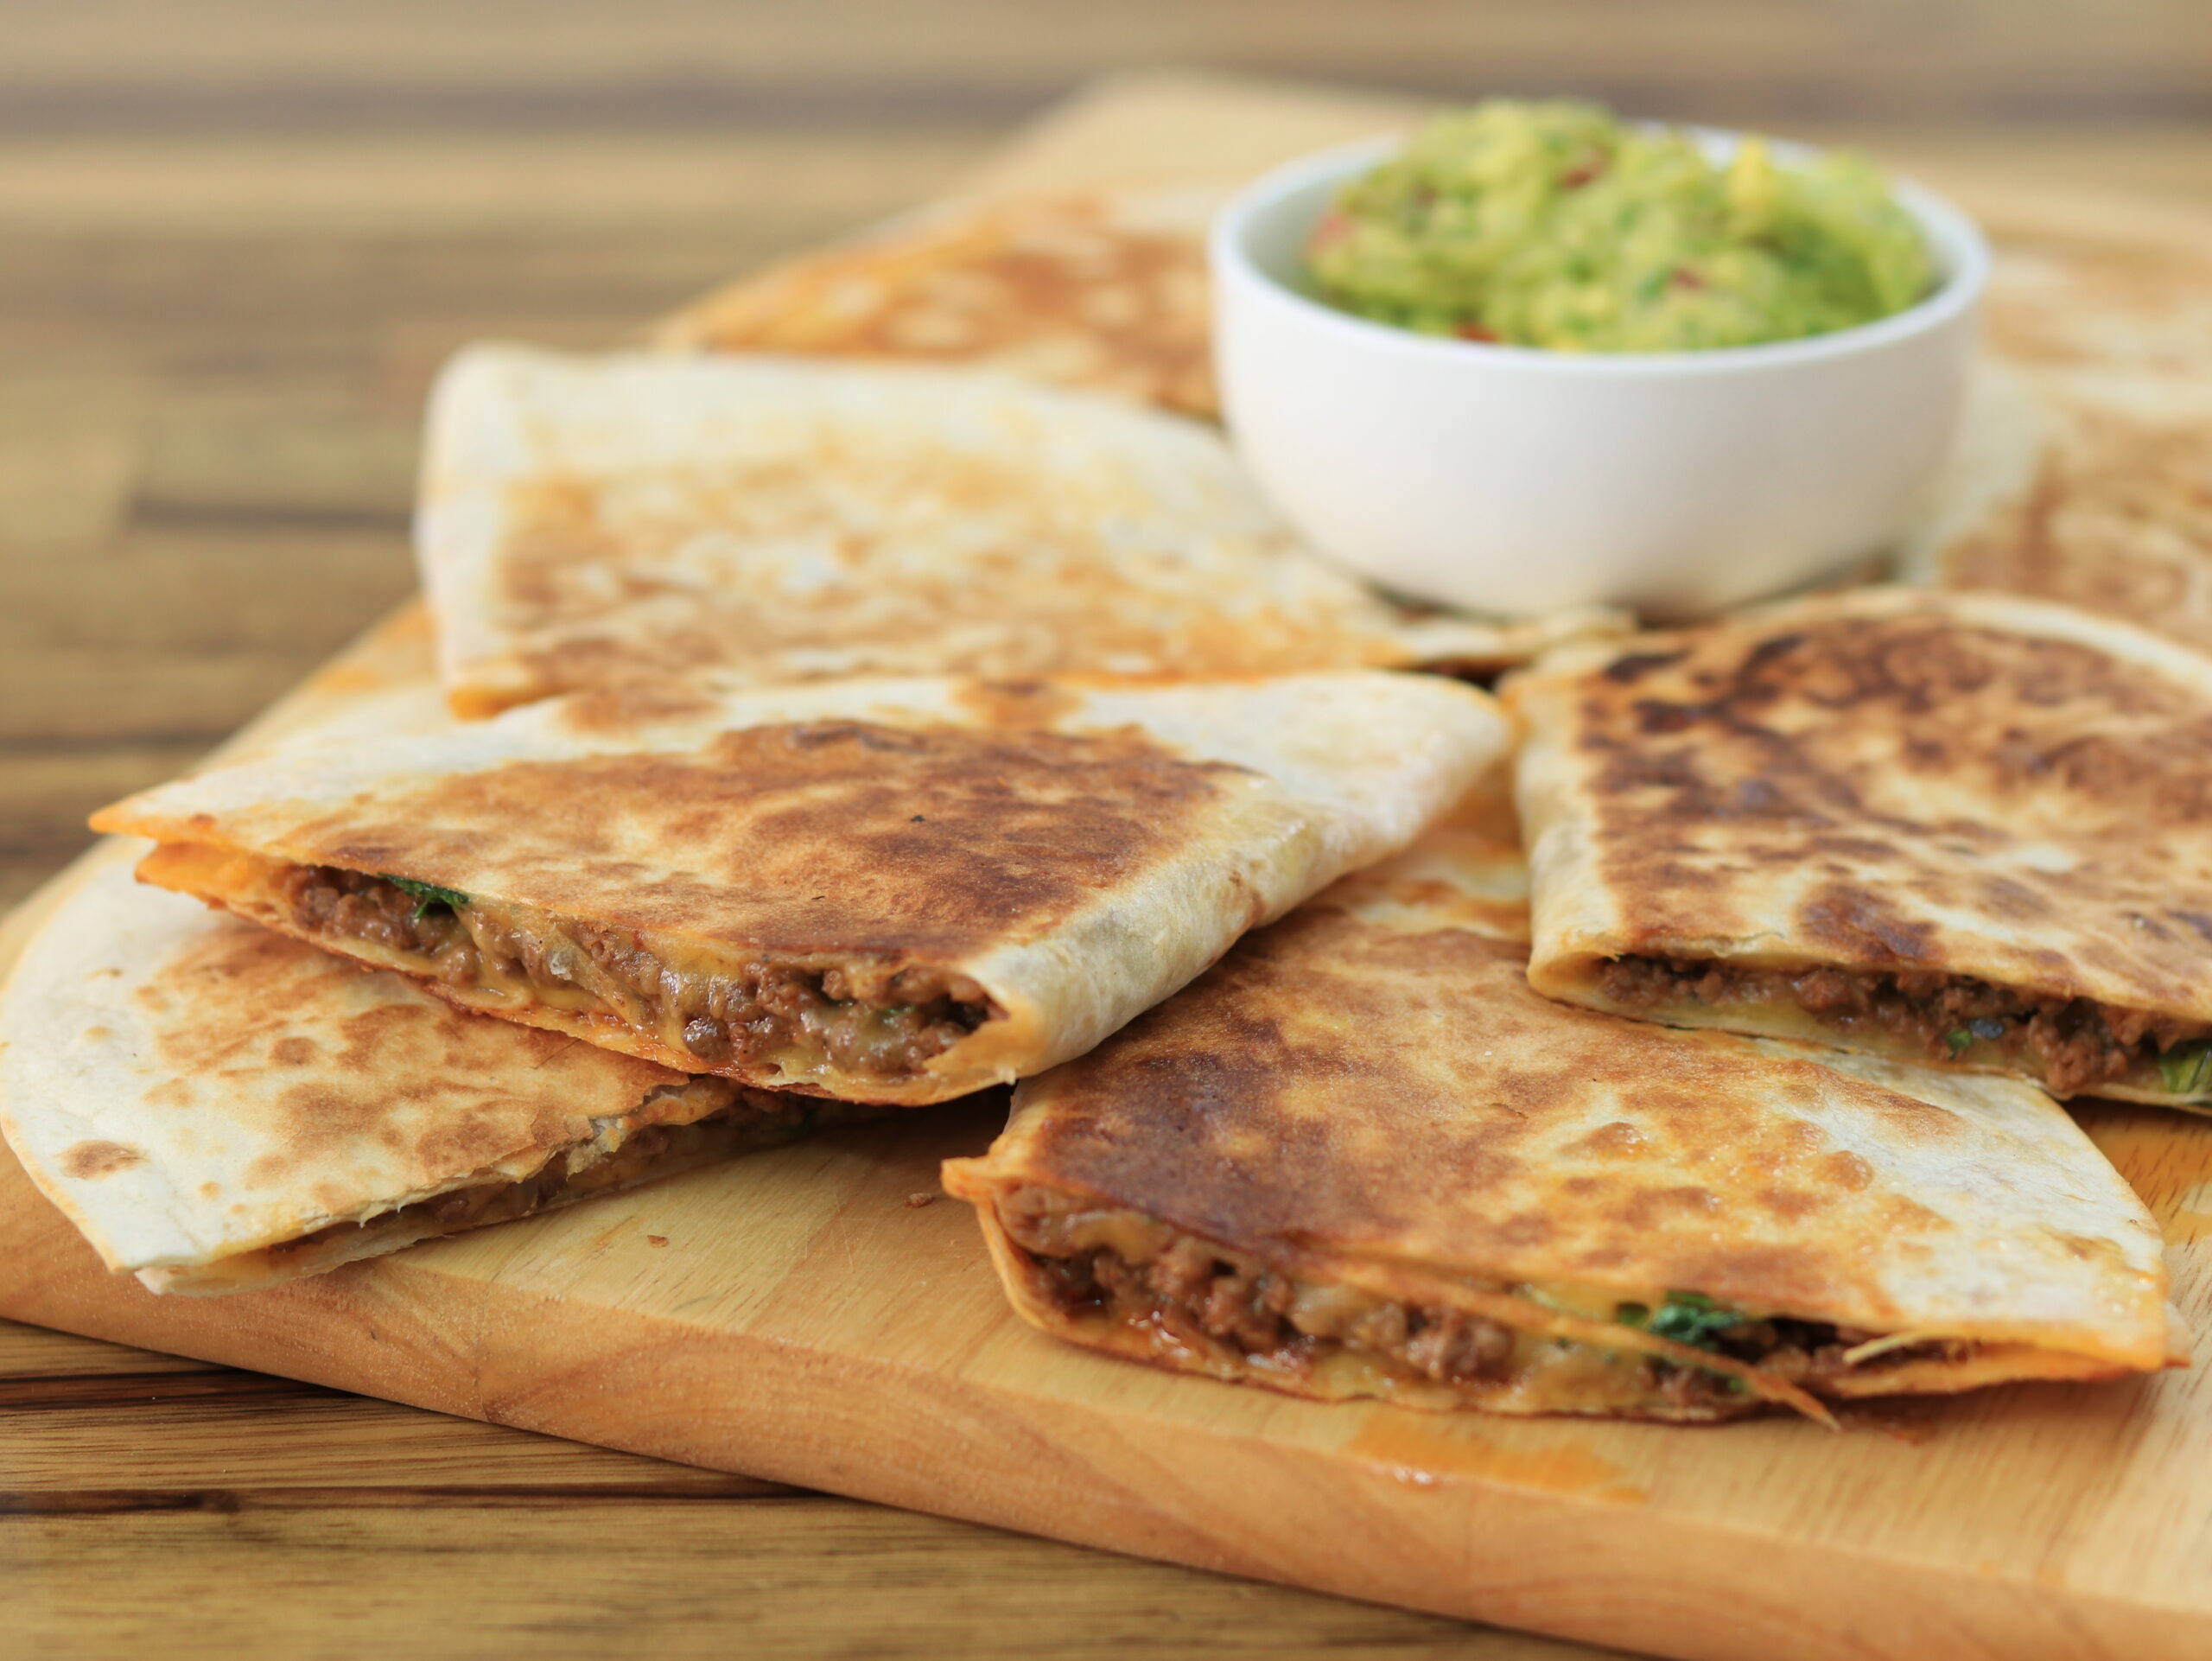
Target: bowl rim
[[1954, 237]]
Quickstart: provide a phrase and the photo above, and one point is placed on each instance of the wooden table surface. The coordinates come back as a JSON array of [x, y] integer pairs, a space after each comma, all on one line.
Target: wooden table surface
[[235, 240]]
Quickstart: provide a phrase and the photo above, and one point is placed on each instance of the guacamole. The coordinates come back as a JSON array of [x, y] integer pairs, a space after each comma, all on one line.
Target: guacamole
[[1553, 225]]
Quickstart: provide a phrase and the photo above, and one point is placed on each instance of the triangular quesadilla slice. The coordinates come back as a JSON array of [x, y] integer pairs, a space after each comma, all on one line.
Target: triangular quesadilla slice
[[1361, 1158], [1103, 289], [2084, 471], [893, 891], [1967, 831], [589, 521], [219, 1108]]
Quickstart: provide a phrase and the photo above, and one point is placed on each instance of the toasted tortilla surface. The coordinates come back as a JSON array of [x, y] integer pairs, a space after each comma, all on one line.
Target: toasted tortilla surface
[[2083, 475], [1961, 830], [590, 521], [891, 891], [1103, 291], [219, 1108], [1361, 1157]]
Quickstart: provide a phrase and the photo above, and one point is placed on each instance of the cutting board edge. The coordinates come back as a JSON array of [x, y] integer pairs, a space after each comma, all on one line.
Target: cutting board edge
[[1478, 1549]]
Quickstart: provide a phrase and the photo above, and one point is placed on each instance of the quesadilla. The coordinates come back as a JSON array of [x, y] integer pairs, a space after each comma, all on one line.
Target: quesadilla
[[2085, 471], [589, 521], [892, 891], [1969, 831], [219, 1108], [1103, 291], [1512, 1204]]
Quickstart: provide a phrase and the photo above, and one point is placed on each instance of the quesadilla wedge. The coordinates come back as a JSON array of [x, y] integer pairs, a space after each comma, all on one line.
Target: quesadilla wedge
[[589, 521], [1519, 1205], [220, 1109], [1969, 831], [2084, 473], [1104, 290], [893, 891]]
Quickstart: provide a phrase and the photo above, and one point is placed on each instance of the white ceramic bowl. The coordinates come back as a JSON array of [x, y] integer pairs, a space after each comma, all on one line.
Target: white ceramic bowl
[[1512, 480]]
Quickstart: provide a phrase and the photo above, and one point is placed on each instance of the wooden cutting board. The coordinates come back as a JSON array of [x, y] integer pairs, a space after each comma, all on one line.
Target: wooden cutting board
[[815, 1316]]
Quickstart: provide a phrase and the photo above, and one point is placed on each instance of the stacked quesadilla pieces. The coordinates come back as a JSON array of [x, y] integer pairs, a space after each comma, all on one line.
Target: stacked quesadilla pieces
[[1514, 1204], [839, 738], [894, 891], [219, 1108]]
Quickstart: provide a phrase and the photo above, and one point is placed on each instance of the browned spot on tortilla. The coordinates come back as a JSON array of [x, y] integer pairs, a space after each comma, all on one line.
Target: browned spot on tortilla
[[292, 1052], [88, 1160], [1018, 704], [620, 704], [1795, 1204], [1860, 927], [835, 836], [1847, 1171]]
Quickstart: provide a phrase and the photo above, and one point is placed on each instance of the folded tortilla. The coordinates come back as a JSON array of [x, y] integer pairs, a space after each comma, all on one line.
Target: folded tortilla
[[891, 891], [1962, 830], [593, 520], [2082, 475], [219, 1109], [1516, 1204], [1103, 291]]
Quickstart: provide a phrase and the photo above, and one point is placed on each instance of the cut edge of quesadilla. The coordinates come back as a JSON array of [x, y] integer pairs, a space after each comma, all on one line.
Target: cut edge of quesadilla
[[878, 1025], [1525, 1207], [1969, 1015], [217, 1108], [1332, 1327], [1899, 1015], [716, 1121], [1151, 826]]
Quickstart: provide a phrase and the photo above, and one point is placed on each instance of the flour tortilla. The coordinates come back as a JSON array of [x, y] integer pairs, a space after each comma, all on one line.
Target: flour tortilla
[[220, 1109], [811, 886], [1305, 1207], [589, 521], [1102, 290], [2085, 475], [1995, 806]]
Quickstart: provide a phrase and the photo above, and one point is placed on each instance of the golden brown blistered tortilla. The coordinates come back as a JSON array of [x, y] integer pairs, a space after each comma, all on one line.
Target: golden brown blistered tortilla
[[2085, 472], [589, 521], [219, 1108], [1964, 829], [1361, 1158], [894, 891], [1104, 290]]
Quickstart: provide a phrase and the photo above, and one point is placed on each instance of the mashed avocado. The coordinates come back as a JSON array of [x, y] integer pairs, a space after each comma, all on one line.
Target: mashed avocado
[[1553, 225]]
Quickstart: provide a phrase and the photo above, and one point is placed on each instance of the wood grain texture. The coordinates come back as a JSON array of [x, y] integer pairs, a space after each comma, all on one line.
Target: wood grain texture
[[235, 255], [225, 1512]]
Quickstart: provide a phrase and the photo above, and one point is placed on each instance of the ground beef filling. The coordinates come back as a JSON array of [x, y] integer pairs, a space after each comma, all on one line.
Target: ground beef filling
[[884, 1025], [1206, 1298], [2075, 1043]]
